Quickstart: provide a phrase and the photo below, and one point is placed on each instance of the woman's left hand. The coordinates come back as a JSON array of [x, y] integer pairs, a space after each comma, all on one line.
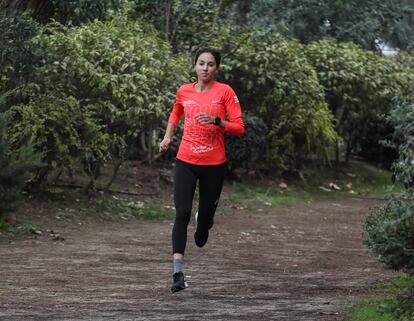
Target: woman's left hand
[[204, 119]]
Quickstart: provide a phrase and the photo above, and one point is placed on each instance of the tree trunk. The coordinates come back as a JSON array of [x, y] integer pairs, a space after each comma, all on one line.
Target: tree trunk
[[348, 148], [14, 7], [168, 8], [244, 10], [337, 152], [114, 174]]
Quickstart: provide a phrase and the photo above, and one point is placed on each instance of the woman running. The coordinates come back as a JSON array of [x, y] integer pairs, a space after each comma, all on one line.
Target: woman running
[[201, 156]]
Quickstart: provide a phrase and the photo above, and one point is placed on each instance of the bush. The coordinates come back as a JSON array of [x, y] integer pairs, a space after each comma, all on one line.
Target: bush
[[403, 299], [402, 118], [275, 82], [101, 87], [359, 86], [389, 232], [18, 57], [15, 167], [248, 149]]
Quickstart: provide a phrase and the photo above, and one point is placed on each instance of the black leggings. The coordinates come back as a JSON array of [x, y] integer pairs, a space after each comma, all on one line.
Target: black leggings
[[210, 180]]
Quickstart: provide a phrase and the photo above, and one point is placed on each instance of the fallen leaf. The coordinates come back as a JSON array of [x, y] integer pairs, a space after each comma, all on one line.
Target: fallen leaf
[[283, 185], [324, 189], [334, 186]]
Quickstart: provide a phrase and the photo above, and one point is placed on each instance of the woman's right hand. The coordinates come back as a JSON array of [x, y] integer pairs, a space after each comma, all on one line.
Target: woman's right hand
[[165, 143]]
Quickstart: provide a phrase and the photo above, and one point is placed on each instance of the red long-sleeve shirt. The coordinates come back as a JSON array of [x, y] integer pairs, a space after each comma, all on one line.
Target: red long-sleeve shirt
[[204, 145]]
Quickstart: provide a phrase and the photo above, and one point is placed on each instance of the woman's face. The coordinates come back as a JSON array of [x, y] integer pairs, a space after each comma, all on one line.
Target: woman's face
[[206, 67]]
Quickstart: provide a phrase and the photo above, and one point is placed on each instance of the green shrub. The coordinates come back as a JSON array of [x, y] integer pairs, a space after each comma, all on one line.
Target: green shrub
[[101, 87], [18, 58], [64, 132], [402, 118], [402, 293], [248, 149], [359, 85], [275, 82], [389, 232], [15, 167]]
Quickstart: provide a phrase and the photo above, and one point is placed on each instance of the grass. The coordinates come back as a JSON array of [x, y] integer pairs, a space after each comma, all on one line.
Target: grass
[[19, 229], [393, 305], [245, 196], [371, 309], [133, 208], [70, 205], [356, 179]]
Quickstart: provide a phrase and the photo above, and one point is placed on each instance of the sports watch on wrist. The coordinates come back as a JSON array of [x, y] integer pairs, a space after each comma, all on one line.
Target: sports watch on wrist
[[217, 121]]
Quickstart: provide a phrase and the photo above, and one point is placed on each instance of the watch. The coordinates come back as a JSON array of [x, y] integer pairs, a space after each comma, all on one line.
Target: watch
[[217, 121]]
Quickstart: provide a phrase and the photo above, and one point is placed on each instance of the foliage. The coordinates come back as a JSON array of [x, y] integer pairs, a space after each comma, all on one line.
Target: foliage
[[99, 89], [74, 12], [15, 168], [17, 58], [359, 86], [395, 304], [369, 23], [401, 292], [389, 229], [274, 82], [186, 24], [402, 118], [102, 90], [63, 130], [77, 12], [248, 149]]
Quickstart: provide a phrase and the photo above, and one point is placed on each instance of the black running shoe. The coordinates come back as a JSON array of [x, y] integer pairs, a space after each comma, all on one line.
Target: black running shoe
[[196, 223], [179, 282], [200, 238]]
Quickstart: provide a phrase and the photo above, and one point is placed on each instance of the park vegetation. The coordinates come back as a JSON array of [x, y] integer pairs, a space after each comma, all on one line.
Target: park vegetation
[[87, 83]]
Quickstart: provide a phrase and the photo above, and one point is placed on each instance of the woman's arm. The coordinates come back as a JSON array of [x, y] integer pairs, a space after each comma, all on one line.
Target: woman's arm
[[235, 124], [169, 133], [173, 121]]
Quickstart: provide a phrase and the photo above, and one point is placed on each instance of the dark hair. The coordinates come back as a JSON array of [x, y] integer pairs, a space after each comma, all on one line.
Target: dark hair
[[216, 54]]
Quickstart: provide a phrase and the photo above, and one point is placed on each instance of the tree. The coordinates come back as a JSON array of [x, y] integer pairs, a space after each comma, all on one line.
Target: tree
[[365, 22], [74, 12], [18, 58], [186, 24]]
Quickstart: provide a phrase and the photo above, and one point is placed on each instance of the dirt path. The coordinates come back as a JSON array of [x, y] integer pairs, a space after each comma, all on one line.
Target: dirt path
[[293, 263]]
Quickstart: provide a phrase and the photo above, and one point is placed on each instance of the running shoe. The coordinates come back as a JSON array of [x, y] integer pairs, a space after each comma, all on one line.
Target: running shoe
[[195, 219], [200, 238], [179, 282]]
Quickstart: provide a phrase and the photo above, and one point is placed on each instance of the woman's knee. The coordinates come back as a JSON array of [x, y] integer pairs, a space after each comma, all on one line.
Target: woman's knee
[[183, 217]]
